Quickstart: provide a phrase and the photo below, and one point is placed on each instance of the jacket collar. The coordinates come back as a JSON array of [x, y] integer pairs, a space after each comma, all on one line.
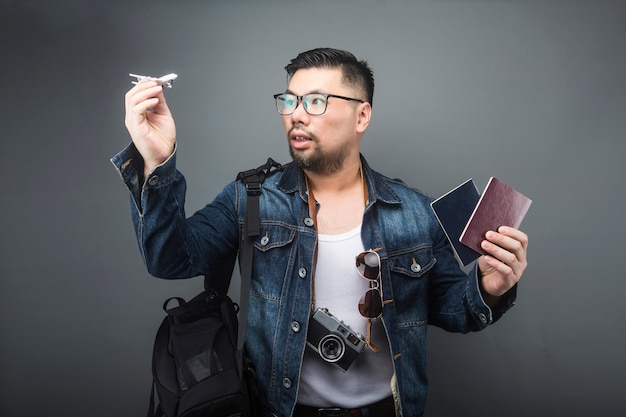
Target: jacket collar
[[378, 188]]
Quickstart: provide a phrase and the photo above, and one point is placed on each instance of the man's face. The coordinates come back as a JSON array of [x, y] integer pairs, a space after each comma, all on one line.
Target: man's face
[[321, 143]]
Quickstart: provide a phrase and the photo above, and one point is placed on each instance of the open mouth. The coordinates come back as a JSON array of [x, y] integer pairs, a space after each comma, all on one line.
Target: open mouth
[[300, 138]]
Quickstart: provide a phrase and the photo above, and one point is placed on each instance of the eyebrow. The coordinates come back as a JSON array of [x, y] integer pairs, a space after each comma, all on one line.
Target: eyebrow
[[289, 91]]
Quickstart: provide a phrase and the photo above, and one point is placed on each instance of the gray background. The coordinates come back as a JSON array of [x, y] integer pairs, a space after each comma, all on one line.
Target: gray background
[[532, 92]]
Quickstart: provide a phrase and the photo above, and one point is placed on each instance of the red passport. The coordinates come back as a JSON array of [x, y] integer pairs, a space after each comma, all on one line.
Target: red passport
[[499, 205]]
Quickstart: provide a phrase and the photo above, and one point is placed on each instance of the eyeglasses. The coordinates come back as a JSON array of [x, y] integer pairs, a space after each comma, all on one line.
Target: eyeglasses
[[371, 304], [315, 103]]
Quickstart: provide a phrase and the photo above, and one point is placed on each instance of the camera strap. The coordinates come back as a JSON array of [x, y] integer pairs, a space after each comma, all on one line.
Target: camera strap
[[313, 213]]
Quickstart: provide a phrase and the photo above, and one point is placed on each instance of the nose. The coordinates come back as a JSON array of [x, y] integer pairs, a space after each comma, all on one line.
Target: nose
[[299, 115]]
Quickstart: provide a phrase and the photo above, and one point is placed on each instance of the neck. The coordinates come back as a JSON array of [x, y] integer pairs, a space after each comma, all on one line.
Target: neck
[[342, 198], [347, 177]]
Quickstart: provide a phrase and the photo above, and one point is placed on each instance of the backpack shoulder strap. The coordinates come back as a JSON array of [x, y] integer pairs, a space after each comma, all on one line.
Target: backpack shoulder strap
[[252, 227], [252, 178]]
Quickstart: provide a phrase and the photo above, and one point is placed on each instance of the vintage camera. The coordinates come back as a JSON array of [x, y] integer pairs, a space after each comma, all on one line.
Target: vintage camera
[[333, 340]]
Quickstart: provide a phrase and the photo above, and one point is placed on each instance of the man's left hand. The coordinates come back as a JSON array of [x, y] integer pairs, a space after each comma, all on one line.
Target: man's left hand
[[505, 261]]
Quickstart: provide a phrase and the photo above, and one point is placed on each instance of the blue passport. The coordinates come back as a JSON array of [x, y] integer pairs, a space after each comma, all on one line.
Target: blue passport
[[453, 211]]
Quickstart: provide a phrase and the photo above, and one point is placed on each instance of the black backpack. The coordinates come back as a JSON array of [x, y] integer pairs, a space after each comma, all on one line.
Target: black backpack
[[199, 364]]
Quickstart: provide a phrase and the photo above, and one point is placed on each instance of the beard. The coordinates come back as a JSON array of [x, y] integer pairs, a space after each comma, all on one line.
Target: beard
[[318, 161]]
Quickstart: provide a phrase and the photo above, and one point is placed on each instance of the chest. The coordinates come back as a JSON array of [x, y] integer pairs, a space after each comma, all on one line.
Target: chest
[[335, 218], [339, 213]]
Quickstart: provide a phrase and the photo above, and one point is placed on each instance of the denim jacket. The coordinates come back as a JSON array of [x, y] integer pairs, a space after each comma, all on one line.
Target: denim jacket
[[421, 279]]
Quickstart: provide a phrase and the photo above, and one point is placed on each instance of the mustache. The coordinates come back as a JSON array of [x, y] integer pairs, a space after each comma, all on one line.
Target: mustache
[[300, 129]]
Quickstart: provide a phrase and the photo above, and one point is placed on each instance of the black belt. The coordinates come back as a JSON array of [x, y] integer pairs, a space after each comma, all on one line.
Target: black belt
[[383, 408]]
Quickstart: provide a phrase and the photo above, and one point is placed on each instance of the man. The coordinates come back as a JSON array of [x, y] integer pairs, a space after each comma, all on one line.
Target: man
[[335, 236]]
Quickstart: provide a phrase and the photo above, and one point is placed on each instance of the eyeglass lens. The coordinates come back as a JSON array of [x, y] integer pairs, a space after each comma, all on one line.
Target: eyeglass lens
[[371, 303], [314, 104], [368, 265]]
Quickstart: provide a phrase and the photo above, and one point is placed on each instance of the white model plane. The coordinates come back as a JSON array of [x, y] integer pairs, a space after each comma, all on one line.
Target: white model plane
[[166, 80]]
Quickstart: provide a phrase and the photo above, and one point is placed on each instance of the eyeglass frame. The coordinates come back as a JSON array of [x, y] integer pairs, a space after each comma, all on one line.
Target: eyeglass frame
[[301, 98]]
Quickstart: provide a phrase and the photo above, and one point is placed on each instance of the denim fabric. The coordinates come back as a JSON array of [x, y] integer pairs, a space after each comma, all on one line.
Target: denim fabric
[[422, 281]]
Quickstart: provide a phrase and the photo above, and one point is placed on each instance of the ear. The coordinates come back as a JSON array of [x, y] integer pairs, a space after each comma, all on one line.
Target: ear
[[363, 117]]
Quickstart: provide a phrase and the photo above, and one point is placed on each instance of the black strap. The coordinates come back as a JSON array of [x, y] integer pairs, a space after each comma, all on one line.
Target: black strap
[[252, 227], [253, 179]]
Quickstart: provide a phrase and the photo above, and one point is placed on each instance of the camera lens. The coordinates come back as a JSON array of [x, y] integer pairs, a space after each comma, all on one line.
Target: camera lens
[[331, 348]]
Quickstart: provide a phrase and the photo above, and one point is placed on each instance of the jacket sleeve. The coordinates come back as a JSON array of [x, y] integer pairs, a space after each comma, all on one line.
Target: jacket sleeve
[[456, 302], [172, 245]]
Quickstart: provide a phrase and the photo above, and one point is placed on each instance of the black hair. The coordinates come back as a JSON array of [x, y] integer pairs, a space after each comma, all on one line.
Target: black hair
[[355, 72]]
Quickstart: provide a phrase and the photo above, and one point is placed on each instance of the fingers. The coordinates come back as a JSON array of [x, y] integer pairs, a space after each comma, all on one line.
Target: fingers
[[515, 234], [506, 251], [149, 122], [145, 95], [137, 101], [506, 242]]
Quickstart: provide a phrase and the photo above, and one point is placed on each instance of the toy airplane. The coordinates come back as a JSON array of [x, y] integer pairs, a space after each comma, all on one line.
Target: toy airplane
[[166, 80]]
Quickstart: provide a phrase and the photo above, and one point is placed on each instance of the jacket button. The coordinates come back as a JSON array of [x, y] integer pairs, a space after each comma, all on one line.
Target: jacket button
[[295, 326], [265, 240], [308, 221], [415, 267], [287, 383], [153, 180], [302, 272], [483, 318]]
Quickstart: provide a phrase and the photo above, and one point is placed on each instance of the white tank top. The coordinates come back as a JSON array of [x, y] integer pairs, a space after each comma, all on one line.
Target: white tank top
[[339, 287]]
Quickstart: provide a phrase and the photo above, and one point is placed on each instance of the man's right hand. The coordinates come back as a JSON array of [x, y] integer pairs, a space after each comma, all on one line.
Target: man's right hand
[[153, 131]]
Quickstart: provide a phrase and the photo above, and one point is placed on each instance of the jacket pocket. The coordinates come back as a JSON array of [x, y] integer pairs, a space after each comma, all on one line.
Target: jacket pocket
[[274, 254], [274, 236], [409, 281], [414, 263]]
